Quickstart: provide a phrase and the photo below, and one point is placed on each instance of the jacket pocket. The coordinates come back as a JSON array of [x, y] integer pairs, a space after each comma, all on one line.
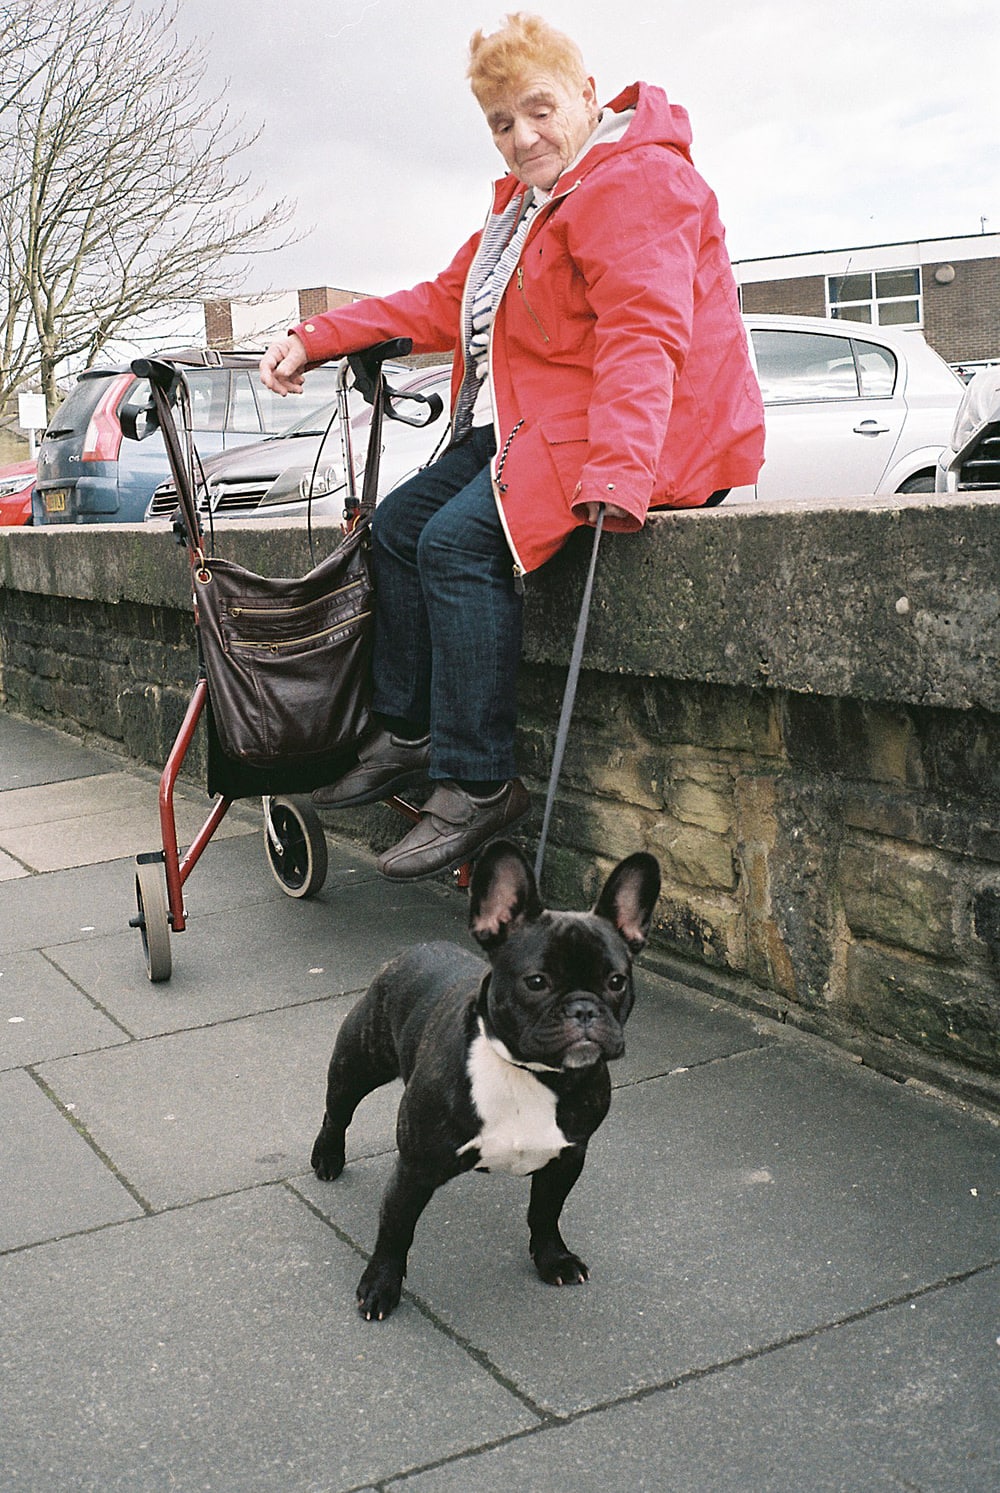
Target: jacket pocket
[[568, 441]]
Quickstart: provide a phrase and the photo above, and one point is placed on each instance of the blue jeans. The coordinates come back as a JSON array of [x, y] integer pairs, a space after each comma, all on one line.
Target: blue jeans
[[447, 617]]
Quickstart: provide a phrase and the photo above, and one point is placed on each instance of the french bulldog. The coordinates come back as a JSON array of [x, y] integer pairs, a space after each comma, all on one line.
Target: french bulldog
[[505, 1064]]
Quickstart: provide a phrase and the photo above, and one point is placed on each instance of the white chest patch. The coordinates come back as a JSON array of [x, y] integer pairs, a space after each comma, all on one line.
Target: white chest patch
[[519, 1132]]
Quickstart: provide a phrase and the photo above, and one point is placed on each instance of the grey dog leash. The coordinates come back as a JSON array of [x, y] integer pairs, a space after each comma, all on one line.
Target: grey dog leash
[[569, 695]]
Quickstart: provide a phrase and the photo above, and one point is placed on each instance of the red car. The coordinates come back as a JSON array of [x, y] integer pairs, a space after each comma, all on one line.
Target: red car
[[16, 482]]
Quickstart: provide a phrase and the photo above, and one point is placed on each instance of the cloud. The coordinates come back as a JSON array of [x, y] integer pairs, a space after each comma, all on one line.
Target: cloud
[[818, 126]]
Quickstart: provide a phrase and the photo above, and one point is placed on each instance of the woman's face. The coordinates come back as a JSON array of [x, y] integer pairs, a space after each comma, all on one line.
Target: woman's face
[[540, 124]]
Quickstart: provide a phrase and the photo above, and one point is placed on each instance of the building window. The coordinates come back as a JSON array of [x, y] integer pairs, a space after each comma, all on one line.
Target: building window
[[881, 298]]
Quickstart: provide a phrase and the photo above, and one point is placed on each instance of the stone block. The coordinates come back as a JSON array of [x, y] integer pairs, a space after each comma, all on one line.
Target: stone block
[[900, 895], [600, 827], [852, 738], [668, 712], [694, 856], [700, 792], [914, 1000], [707, 929], [788, 829]]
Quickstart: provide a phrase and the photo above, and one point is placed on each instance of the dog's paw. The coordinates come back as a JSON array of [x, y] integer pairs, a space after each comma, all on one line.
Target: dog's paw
[[328, 1156], [379, 1290], [559, 1267]]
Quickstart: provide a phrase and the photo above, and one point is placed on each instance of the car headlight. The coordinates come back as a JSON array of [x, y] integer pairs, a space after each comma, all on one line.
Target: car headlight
[[295, 483], [9, 485]]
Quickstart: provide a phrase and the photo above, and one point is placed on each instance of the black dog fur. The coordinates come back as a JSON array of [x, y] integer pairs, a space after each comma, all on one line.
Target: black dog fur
[[505, 1066]]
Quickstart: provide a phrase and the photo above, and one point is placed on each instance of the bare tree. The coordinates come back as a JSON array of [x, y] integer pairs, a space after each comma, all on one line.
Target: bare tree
[[121, 194]]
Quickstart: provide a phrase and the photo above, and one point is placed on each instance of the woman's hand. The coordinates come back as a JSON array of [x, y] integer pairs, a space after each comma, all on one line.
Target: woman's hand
[[281, 366], [610, 511]]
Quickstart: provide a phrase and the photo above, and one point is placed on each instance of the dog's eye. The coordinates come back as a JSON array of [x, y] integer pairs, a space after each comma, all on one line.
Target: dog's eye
[[536, 983], [617, 984]]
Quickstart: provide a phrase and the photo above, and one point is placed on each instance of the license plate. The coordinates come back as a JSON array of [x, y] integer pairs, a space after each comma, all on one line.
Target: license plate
[[55, 500]]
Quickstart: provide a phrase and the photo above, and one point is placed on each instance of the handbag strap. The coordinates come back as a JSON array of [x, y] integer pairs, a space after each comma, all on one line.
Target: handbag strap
[[569, 695]]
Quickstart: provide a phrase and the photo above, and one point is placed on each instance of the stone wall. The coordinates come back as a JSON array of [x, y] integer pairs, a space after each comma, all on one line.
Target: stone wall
[[797, 710]]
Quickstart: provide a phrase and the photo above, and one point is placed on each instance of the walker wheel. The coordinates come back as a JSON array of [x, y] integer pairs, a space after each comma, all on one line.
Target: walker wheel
[[152, 920], [295, 845]]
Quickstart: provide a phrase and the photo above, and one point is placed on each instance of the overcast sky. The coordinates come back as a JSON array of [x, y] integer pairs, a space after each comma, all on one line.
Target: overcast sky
[[819, 125]]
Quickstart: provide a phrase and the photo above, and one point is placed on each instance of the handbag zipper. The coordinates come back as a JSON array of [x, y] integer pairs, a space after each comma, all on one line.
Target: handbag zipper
[[311, 637], [240, 611]]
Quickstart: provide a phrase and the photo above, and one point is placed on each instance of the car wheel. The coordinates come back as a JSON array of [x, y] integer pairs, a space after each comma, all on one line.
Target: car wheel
[[919, 482]]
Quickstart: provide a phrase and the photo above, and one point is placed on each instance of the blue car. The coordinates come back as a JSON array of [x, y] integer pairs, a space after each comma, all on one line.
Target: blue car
[[89, 474]]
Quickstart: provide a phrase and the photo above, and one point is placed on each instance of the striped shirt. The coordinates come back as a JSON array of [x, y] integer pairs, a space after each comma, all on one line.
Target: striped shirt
[[494, 265]]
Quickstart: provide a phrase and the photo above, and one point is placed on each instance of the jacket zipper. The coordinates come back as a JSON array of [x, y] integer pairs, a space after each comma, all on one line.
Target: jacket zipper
[[518, 568], [326, 632], [527, 304]]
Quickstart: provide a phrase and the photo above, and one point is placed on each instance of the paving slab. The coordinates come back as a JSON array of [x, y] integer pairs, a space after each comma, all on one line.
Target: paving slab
[[102, 818], [10, 869], [907, 1398], [51, 1181], [43, 1015], [32, 753], [272, 950], [208, 1110], [73, 905], [206, 1358], [67, 906], [214, 1110], [794, 1261], [720, 1211]]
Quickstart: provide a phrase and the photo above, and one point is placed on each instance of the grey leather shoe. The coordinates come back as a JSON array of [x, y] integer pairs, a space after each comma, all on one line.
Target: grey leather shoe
[[452, 827], [385, 765]]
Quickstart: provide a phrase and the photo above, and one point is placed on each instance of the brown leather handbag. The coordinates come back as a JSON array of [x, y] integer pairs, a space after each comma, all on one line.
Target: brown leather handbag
[[288, 662]]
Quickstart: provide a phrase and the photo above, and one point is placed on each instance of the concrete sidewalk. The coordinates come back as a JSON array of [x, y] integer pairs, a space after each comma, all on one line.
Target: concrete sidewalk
[[795, 1262]]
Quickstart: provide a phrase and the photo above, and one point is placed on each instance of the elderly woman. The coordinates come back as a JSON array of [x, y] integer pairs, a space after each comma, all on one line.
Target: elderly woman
[[599, 359]]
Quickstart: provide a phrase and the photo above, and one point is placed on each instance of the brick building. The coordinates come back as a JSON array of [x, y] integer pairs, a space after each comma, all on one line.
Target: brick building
[[950, 288], [230, 324], [249, 324]]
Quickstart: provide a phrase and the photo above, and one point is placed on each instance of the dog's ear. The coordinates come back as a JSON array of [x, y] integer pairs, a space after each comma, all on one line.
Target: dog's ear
[[502, 893], [629, 897]]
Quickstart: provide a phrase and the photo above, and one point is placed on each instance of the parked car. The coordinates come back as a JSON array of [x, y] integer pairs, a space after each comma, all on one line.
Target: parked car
[[851, 410], [16, 482], [273, 478], [88, 474], [971, 460]]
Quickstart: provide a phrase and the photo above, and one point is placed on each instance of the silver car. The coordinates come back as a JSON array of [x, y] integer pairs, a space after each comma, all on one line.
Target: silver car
[[850, 410], [274, 478], [971, 460]]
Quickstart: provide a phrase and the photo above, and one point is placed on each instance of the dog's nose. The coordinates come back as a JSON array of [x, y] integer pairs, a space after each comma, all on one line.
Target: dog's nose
[[582, 1008]]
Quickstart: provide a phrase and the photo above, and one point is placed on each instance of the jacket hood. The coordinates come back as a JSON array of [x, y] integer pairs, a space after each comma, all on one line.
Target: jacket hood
[[657, 122]]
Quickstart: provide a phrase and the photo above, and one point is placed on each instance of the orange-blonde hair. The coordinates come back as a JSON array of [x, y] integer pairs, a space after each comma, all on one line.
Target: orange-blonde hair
[[523, 44]]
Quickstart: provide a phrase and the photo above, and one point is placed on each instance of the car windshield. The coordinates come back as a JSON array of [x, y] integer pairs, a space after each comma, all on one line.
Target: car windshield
[[315, 422]]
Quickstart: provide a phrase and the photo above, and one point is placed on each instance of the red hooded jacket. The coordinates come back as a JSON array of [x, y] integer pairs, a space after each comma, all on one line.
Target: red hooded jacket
[[619, 359]]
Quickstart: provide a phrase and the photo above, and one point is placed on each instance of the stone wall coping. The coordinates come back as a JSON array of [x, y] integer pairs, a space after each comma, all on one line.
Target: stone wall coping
[[895, 599]]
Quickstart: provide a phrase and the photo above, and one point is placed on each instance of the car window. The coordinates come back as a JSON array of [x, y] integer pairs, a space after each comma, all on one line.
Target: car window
[[277, 415], [876, 369], [243, 414], [209, 389], [794, 366]]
